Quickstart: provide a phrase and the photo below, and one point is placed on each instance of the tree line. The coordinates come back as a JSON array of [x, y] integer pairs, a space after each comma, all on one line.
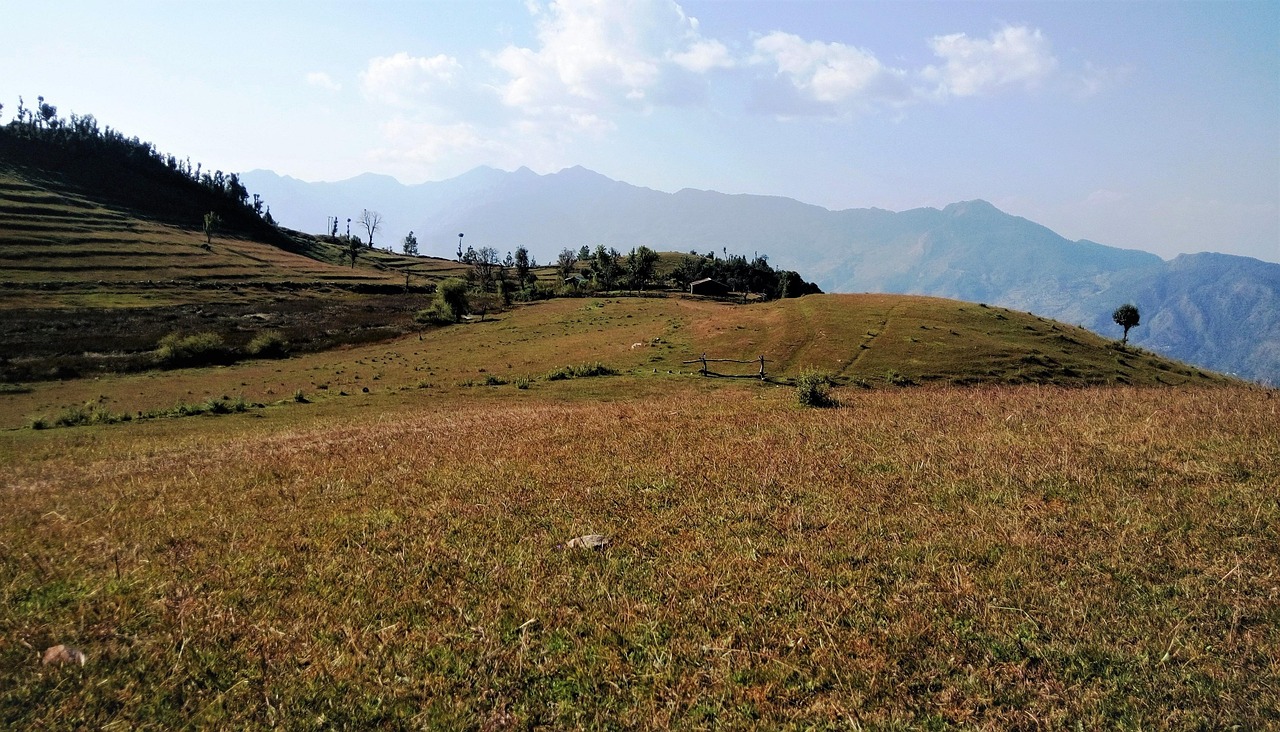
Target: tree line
[[81, 135]]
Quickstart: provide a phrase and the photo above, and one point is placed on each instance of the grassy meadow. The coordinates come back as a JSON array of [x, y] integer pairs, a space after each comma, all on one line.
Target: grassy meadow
[[1003, 522], [990, 557]]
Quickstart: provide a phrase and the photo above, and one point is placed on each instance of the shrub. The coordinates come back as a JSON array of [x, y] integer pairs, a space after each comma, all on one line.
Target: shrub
[[522, 382], [813, 389], [437, 314], [198, 349], [268, 344], [896, 379], [580, 371]]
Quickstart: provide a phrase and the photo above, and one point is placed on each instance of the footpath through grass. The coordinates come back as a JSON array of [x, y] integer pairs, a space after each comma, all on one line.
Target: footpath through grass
[[983, 557]]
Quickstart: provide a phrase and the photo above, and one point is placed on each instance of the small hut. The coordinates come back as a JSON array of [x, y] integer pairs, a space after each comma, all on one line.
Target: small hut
[[709, 287]]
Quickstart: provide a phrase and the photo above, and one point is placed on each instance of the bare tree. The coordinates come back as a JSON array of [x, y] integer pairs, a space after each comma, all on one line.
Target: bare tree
[[372, 223]]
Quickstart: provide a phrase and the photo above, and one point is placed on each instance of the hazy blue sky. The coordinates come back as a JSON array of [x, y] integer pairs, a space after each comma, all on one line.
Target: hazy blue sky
[[1150, 125]]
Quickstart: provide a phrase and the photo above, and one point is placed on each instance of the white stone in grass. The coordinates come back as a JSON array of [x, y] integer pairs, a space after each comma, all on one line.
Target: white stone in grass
[[61, 655], [588, 541]]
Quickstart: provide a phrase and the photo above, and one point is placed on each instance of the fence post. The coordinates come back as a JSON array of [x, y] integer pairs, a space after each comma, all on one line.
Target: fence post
[[704, 364], [762, 367]]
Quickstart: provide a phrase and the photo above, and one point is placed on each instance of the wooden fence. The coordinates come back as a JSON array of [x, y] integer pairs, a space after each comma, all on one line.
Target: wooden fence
[[703, 360]]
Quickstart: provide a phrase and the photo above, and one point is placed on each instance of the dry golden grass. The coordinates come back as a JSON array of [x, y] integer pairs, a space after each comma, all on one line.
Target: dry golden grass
[[985, 557], [956, 343]]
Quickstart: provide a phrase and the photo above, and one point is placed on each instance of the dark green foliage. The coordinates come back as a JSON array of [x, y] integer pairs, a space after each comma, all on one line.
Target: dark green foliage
[[1126, 316], [451, 298], [411, 245], [641, 263], [130, 171], [813, 389], [605, 268], [742, 275], [522, 266], [580, 371]]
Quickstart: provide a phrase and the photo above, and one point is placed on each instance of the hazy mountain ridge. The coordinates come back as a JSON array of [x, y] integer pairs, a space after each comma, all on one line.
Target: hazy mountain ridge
[[1218, 311]]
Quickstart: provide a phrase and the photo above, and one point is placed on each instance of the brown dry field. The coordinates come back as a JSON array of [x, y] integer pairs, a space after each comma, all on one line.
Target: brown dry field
[[935, 557]]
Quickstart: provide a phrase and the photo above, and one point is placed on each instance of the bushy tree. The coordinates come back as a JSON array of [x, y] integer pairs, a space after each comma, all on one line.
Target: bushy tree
[[606, 267], [1126, 316], [451, 298], [522, 266], [641, 264], [411, 244], [566, 262]]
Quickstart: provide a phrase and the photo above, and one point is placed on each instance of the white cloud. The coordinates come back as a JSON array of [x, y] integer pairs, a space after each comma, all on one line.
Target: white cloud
[[321, 80], [1014, 55], [703, 56], [830, 73], [401, 79], [597, 53]]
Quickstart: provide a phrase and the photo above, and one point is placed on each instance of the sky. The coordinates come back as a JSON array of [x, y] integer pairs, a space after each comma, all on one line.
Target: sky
[[1147, 125]]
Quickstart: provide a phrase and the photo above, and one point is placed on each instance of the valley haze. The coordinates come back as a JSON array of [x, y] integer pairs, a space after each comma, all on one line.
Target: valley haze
[[1215, 310]]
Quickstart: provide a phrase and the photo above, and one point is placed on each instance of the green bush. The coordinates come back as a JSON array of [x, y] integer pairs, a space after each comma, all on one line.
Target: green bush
[[268, 344], [813, 389], [580, 371], [192, 350], [437, 314]]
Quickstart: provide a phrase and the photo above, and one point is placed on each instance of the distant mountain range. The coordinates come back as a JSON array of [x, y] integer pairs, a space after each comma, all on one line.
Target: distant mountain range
[[1218, 311]]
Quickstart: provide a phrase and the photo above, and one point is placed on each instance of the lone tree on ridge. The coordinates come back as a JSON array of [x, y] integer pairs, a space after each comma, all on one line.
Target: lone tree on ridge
[[1126, 316], [372, 223]]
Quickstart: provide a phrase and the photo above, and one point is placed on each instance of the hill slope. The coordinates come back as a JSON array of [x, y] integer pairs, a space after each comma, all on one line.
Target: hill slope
[[878, 341], [968, 251]]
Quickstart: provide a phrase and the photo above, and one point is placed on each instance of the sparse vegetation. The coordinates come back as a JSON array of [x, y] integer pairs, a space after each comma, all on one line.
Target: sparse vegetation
[[929, 557], [921, 557]]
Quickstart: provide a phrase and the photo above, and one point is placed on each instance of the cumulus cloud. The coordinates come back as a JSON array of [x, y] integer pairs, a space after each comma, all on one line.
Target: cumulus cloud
[[321, 80], [815, 77], [594, 61], [1014, 55], [830, 74], [703, 56], [606, 52], [402, 79]]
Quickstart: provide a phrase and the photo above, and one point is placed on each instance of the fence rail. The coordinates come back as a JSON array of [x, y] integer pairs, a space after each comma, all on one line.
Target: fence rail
[[706, 372]]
